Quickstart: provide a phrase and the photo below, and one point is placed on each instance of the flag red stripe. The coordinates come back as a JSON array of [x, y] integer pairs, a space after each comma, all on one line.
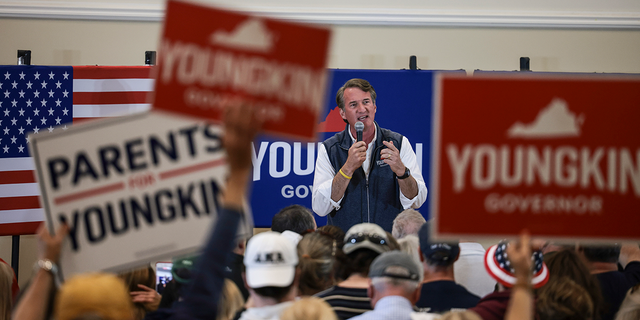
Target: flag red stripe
[[127, 97], [82, 120], [16, 203], [25, 176], [112, 72], [15, 229]]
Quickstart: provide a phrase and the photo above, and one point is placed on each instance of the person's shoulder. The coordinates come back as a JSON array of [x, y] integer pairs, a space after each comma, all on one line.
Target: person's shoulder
[[440, 284], [387, 134], [386, 131], [325, 293], [335, 139], [464, 289], [342, 291], [611, 276], [496, 296], [632, 266]]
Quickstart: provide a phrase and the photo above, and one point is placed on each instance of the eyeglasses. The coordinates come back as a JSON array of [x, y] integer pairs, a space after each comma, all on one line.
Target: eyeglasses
[[373, 238]]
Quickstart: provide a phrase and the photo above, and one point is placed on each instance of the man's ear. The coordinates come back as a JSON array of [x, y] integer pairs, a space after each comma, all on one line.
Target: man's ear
[[342, 114], [421, 255], [244, 280], [416, 294], [370, 290]]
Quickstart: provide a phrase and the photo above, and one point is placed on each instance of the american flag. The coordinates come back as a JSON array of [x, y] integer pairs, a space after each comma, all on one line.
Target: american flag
[[43, 99]]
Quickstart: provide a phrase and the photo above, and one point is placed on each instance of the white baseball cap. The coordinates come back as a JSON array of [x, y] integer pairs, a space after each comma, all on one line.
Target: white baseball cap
[[270, 260]]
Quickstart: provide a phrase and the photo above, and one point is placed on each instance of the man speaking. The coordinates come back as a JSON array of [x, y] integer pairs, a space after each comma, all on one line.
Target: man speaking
[[365, 173]]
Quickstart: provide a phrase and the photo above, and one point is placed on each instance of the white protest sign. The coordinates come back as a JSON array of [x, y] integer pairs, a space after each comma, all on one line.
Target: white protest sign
[[132, 189]]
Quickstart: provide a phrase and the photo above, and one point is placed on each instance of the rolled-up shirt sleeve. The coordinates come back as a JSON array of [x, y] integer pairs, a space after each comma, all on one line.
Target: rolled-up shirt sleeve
[[322, 181], [409, 160]]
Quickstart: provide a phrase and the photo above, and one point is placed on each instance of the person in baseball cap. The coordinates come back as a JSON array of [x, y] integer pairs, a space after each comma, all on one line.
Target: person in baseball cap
[[366, 236], [440, 292], [270, 275], [394, 286], [362, 244]]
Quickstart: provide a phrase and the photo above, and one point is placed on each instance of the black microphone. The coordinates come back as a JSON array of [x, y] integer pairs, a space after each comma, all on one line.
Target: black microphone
[[359, 127]]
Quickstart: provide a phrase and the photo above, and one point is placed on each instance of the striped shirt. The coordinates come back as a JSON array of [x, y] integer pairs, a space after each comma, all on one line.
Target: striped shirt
[[346, 302]]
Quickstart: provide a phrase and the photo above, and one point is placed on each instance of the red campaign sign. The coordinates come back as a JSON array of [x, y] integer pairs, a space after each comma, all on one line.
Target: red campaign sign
[[209, 57], [556, 155]]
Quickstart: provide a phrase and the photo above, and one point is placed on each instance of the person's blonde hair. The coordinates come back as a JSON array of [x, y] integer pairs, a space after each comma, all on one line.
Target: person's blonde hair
[[6, 280], [460, 315], [145, 276], [316, 258], [230, 302], [309, 308], [630, 307], [100, 294]]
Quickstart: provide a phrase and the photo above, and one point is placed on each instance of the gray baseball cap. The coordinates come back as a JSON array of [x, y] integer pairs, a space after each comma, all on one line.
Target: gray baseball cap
[[395, 264]]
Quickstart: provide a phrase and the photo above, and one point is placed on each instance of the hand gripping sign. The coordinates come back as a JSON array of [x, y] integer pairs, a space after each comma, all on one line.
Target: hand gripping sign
[[132, 190], [209, 57], [558, 155]]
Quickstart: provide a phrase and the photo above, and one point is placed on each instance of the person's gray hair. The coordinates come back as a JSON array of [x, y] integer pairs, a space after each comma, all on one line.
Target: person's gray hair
[[407, 222], [383, 283], [411, 245]]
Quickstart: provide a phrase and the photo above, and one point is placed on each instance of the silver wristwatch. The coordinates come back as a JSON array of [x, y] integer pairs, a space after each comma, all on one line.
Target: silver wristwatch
[[49, 266]]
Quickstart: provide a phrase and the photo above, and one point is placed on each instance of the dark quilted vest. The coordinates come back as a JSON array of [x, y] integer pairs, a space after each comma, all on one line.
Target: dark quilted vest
[[376, 200]]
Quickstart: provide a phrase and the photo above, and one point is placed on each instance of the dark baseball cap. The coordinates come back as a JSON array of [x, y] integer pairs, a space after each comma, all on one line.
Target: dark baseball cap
[[444, 253]]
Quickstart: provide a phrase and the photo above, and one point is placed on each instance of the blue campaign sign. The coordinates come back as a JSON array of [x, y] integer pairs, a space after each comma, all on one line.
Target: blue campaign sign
[[283, 170]]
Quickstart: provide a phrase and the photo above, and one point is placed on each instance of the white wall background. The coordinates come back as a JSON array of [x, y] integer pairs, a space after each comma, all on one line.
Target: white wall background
[[562, 36]]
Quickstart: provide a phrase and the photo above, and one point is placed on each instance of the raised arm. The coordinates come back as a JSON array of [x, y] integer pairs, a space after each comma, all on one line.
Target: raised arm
[[521, 302], [202, 295], [35, 301]]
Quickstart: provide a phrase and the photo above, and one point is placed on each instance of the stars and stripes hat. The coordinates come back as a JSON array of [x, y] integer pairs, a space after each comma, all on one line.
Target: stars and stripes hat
[[497, 263]]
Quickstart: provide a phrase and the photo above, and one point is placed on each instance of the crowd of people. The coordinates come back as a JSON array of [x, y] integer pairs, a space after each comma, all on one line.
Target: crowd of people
[[300, 271]]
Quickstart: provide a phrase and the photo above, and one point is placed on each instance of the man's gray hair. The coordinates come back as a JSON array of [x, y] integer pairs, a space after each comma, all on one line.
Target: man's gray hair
[[407, 222], [381, 284]]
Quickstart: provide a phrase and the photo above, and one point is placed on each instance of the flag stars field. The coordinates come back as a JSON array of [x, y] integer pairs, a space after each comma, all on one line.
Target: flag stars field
[[19, 90], [50, 96]]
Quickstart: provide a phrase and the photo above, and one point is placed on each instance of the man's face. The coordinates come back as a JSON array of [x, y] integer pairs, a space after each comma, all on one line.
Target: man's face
[[358, 106]]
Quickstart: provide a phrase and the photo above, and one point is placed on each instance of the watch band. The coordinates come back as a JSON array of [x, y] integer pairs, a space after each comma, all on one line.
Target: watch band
[[46, 265], [49, 266], [406, 174]]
